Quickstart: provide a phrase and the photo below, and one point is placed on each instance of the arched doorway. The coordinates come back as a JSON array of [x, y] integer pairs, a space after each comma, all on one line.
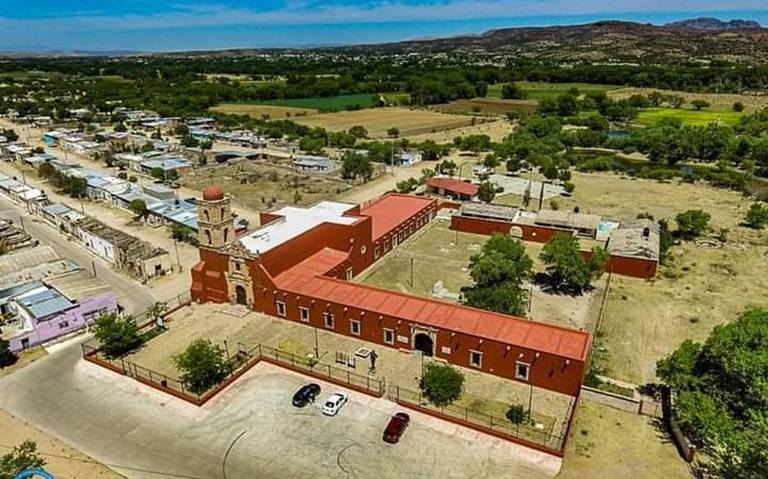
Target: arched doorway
[[240, 295], [423, 342]]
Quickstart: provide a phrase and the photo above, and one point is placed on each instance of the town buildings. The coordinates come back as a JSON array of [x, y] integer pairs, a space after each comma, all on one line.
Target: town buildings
[[299, 264]]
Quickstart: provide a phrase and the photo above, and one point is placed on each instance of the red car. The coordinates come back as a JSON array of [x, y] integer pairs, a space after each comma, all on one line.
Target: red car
[[396, 427]]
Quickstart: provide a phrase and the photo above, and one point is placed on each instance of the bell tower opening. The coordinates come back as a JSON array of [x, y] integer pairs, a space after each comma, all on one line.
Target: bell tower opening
[[214, 219]]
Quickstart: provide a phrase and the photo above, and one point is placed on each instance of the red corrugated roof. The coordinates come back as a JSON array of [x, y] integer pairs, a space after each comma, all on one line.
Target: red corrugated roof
[[454, 186], [392, 210], [304, 279]]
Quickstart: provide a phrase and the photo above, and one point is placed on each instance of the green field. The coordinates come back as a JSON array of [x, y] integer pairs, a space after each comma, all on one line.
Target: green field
[[544, 90], [342, 102], [650, 116]]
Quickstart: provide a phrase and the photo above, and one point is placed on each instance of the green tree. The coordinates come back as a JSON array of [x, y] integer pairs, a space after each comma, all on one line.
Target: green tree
[[393, 132], [565, 265], [45, 170], [517, 414], [120, 127], [486, 192], [757, 216], [441, 384], [202, 365], [358, 131], [692, 223], [498, 273], [738, 106], [721, 402], [700, 104], [355, 166], [117, 335], [138, 207], [184, 234], [22, 457], [512, 91]]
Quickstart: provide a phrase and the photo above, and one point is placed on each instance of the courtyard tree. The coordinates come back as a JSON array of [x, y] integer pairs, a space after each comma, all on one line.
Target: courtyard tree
[[157, 312], [498, 273], [517, 415], [202, 365], [720, 395], [692, 223], [441, 384], [757, 216], [486, 192], [7, 358], [138, 207], [117, 335], [22, 457], [565, 265]]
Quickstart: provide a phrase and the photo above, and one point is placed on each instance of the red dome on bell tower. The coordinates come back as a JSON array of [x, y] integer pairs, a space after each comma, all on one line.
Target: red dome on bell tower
[[213, 193]]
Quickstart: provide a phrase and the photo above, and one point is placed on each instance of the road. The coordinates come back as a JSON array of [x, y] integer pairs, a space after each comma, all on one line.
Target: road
[[132, 295], [250, 430]]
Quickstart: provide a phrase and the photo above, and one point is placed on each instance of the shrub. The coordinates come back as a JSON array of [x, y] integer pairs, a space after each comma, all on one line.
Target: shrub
[[441, 384], [117, 335], [757, 216]]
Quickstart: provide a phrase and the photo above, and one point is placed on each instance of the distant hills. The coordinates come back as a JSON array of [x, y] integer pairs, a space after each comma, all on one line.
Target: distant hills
[[700, 39]]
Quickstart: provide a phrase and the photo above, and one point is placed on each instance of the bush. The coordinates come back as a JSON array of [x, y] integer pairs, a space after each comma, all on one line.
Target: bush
[[757, 216], [692, 223], [117, 335], [22, 457], [7, 358], [441, 384], [517, 414], [202, 365]]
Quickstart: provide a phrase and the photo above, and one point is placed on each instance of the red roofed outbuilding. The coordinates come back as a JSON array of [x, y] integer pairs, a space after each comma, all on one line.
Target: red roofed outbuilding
[[456, 189]]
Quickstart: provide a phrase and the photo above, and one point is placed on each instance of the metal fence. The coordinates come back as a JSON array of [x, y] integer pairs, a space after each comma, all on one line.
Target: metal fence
[[500, 426]]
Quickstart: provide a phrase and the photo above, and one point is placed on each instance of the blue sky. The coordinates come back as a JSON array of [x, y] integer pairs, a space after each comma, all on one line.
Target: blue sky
[[161, 25]]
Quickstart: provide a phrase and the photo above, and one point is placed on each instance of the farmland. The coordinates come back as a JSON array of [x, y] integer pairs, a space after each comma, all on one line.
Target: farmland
[[378, 120], [719, 101], [341, 102], [689, 117], [487, 106], [262, 111], [545, 91]]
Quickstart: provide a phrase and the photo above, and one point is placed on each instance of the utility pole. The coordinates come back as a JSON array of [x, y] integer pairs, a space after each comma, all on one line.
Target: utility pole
[[317, 345], [176, 248], [93, 265], [411, 271]]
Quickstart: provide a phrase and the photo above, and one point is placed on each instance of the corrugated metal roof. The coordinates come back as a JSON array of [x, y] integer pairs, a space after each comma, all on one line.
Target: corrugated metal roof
[[45, 303]]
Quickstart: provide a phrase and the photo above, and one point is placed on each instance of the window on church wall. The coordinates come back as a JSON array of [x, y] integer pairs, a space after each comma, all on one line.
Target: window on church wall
[[207, 215], [226, 234], [280, 308], [304, 314], [208, 236], [522, 370], [222, 213]]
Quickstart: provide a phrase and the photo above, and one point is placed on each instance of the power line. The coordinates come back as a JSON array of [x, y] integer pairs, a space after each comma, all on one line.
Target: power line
[[113, 466]]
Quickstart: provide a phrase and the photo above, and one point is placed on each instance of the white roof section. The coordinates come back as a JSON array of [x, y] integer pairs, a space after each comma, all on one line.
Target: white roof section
[[294, 222]]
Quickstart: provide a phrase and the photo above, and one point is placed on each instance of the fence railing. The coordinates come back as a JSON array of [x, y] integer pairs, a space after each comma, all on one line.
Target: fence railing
[[498, 426]]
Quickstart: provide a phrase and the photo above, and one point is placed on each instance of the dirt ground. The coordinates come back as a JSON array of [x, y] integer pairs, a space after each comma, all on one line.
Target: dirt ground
[[26, 357], [487, 106], [608, 443], [719, 101], [263, 111], [496, 129], [437, 256], [262, 186], [63, 461], [378, 120]]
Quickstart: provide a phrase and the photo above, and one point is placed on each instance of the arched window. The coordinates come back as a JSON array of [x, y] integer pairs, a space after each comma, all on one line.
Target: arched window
[[207, 215], [226, 234], [208, 236], [222, 213]]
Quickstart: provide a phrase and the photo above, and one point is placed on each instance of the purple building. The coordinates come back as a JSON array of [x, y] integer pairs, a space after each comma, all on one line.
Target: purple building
[[44, 314]]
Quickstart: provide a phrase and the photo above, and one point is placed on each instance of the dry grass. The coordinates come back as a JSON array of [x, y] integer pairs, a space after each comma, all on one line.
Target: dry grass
[[261, 186], [378, 120], [497, 130], [263, 111], [719, 101], [487, 106], [610, 443]]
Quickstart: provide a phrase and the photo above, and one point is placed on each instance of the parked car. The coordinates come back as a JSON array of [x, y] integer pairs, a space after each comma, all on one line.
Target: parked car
[[307, 394], [334, 403], [396, 427]]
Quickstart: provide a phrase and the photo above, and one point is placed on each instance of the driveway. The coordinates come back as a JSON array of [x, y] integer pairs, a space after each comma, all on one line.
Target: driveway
[[250, 430]]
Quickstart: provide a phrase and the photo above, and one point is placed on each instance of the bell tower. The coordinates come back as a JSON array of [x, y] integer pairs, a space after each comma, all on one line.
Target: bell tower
[[215, 225]]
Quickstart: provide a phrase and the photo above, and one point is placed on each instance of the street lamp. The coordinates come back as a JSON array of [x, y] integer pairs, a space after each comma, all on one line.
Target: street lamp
[[317, 345]]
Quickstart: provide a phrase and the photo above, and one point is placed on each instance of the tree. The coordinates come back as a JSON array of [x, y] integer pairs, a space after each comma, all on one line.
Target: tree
[[117, 335], [358, 131], [498, 273], [565, 264], [720, 395], [738, 106], [700, 104], [517, 414], [45, 170], [407, 186], [393, 132], [7, 358], [512, 91], [184, 234], [157, 312], [354, 166], [22, 457], [202, 365], [757, 216], [139, 207], [447, 167], [491, 162], [486, 192], [120, 127], [692, 223], [441, 384]]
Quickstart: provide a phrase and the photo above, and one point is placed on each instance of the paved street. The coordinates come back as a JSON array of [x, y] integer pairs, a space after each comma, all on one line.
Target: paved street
[[250, 430], [134, 296]]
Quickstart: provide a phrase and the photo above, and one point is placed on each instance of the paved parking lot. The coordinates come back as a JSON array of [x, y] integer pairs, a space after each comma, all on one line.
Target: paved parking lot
[[250, 430]]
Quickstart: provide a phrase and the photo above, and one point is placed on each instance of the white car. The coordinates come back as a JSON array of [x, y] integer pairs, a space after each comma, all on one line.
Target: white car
[[334, 403]]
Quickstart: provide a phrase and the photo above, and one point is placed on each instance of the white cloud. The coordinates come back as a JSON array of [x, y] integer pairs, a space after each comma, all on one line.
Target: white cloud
[[298, 12]]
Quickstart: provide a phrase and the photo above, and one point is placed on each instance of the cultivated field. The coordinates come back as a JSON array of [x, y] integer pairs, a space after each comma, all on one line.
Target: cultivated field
[[262, 111], [487, 106], [687, 116], [497, 130], [719, 101], [261, 186], [544, 90], [341, 102], [378, 120], [704, 285]]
